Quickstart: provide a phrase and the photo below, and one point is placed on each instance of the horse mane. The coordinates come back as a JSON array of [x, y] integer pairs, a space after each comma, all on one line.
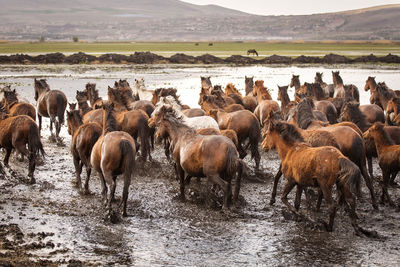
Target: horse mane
[[356, 115], [318, 91], [384, 90], [282, 91], [288, 132], [304, 115], [232, 87], [110, 124]]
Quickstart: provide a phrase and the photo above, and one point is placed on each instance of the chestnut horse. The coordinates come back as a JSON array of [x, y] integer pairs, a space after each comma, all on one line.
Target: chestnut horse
[[388, 156], [50, 103], [15, 107], [211, 156], [246, 126], [347, 135], [16, 133], [382, 96], [84, 136], [265, 102], [113, 154], [306, 166]]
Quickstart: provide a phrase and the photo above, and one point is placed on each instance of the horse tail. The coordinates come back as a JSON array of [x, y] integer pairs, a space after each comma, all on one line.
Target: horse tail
[[349, 176], [34, 143], [93, 139], [61, 105]]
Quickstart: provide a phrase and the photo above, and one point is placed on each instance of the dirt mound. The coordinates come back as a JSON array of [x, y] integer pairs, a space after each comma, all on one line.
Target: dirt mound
[[335, 59], [181, 58], [146, 58], [113, 58], [307, 59], [52, 58], [210, 59], [389, 58], [21, 59], [79, 58], [5, 59], [365, 59], [237, 59], [275, 59]]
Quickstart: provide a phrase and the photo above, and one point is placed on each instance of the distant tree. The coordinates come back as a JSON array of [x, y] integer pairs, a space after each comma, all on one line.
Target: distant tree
[[75, 39], [41, 39]]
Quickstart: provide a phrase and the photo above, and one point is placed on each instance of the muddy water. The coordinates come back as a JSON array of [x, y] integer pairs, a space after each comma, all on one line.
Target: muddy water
[[51, 222]]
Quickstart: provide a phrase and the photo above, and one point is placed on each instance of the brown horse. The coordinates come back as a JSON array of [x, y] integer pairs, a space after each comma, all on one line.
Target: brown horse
[[134, 122], [246, 126], [341, 90], [286, 104], [328, 88], [231, 134], [50, 103], [306, 166], [160, 92], [393, 111], [16, 133], [348, 136], [206, 83], [295, 82], [265, 102], [248, 84], [211, 156], [351, 111], [82, 98], [208, 102], [370, 84], [93, 95], [232, 92], [15, 107], [388, 156], [84, 136], [113, 154]]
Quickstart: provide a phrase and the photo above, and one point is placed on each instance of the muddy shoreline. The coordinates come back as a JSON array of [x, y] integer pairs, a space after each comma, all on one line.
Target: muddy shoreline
[[181, 58]]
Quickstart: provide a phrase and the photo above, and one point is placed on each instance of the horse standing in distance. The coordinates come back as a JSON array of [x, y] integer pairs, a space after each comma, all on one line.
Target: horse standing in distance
[[252, 52]]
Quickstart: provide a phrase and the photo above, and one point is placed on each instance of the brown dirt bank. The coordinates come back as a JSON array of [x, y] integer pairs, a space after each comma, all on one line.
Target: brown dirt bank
[[180, 58]]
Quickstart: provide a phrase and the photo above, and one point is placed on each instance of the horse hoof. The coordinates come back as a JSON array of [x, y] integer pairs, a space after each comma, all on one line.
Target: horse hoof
[[32, 181], [272, 202]]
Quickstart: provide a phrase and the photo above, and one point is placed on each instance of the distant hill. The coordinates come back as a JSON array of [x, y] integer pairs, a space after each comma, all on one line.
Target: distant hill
[[174, 20]]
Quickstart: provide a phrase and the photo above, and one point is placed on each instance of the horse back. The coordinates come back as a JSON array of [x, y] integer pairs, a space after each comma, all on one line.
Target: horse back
[[17, 127], [55, 103], [23, 109], [85, 138]]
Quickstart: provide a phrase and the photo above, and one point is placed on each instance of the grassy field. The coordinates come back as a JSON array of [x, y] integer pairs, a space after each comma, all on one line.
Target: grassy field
[[222, 49]]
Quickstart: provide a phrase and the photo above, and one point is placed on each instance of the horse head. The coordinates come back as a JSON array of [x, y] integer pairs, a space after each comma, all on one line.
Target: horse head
[[295, 81], [40, 87], [370, 83]]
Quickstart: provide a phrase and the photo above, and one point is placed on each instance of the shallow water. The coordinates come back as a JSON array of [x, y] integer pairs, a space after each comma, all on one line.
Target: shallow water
[[162, 230]]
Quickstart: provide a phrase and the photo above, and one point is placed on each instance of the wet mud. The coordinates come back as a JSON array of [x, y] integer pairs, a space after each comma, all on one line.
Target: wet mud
[[52, 223]]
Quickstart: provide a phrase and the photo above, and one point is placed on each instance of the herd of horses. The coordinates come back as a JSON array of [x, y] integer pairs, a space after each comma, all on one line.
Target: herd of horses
[[323, 137]]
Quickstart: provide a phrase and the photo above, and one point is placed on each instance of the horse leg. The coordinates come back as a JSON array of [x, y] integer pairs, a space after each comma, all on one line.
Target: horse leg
[[51, 126], [103, 187], [78, 171], [276, 180], [370, 169], [181, 175], [368, 182], [86, 187], [297, 201], [286, 190], [226, 187], [7, 157], [125, 191], [32, 165], [331, 207], [386, 178], [319, 201], [238, 181], [242, 152], [392, 182], [112, 191]]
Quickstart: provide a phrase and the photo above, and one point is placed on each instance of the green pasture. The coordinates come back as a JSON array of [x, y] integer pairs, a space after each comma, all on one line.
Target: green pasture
[[222, 49]]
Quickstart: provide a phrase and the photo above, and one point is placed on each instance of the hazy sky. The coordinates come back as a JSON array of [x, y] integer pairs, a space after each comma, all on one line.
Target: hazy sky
[[292, 7]]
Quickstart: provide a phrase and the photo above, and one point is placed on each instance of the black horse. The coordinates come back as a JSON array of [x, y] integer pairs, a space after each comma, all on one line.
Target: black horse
[[252, 51]]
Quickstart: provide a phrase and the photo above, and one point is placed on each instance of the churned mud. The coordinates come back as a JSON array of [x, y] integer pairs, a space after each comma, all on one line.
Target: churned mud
[[51, 223]]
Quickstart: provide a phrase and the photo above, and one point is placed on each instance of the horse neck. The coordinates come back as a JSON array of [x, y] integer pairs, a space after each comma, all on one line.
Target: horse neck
[[381, 141], [296, 84], [109, 122], [282, 147], [361, 122], [179, 132], [284, 99]]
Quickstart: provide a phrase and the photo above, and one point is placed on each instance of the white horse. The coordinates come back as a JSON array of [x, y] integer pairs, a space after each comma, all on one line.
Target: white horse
[[144, 94], [196, 123]]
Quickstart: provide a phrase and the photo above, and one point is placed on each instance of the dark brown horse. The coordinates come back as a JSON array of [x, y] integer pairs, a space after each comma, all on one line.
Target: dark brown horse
[[208, 102], [307, 166], [206, 83], [113, 154], [286, 104], [15, 107], [93, 95], [211, 156], [246, 126], [295, 82], [17, 132], [84, 136], [348, 137], [328, 88], [252, 52], [388, 156], [50, 103], [348, 91], [82, 98]]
